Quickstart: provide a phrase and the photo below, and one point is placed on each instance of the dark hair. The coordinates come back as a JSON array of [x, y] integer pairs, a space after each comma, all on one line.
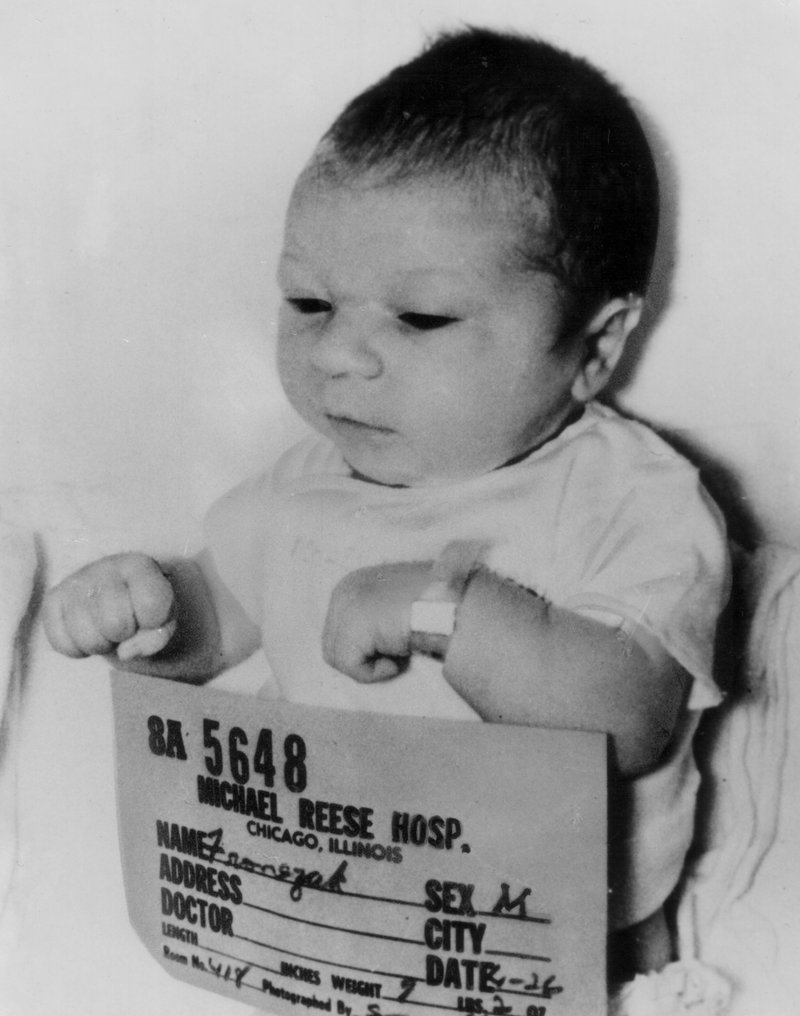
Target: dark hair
[[489, 107]]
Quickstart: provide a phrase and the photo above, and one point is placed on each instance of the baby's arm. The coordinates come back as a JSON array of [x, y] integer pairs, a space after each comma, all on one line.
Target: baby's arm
[[555, 668], [173, 619], [514, 658]]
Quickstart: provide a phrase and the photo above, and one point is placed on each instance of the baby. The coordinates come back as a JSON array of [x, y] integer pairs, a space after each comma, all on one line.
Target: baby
[[469, 533]]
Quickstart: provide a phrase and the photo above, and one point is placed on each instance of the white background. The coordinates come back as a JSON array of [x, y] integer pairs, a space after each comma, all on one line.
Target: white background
[[147, 154]]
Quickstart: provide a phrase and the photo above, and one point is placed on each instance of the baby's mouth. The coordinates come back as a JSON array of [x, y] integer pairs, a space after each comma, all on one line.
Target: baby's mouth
[[354, 426]]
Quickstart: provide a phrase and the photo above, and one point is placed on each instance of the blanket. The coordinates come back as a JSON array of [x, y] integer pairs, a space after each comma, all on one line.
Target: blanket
[[739, 905], [18, 594]]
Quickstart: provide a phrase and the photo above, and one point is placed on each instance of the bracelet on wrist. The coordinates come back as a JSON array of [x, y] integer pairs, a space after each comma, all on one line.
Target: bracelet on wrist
[[434, 613]]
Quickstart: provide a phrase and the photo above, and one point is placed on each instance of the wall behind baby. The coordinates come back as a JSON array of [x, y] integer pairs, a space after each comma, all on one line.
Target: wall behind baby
[[149, 153]]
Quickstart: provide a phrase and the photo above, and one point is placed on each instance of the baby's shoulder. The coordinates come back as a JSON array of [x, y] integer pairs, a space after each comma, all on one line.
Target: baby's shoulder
[[618, 468], [615, 446]]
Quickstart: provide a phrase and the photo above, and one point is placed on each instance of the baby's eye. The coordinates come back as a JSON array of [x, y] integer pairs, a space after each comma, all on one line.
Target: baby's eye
[[309, 305], [426, 322]]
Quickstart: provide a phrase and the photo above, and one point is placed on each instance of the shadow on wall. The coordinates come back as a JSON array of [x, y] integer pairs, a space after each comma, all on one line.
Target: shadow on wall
[[719, 480], [725, 488], [659, 292]]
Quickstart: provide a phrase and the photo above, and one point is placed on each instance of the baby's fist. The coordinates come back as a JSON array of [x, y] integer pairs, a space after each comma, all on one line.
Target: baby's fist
[[368, 628], [122, 603]]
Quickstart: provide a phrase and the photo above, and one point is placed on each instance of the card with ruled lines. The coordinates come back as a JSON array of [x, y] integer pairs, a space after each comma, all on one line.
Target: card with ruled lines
[[308, 860]]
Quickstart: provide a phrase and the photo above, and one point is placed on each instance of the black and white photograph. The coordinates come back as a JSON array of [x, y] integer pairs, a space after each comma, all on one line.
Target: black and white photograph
[[400, 508]]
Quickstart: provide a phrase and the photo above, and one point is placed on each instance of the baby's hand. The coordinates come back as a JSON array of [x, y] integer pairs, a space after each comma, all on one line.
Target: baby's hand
[[123, 603], [368, 628]]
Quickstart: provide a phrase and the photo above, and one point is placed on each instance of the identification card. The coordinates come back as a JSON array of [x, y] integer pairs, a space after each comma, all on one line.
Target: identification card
[[309, 860]]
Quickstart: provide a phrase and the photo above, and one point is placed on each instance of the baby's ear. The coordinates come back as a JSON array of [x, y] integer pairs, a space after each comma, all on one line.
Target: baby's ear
[[603, 342]]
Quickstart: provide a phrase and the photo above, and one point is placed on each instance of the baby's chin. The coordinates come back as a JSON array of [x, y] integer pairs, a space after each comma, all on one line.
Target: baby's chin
[[382, 473], [387, 457], [389, 473]]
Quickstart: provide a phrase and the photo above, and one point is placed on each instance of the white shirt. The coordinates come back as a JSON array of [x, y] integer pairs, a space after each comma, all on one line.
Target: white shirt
[[604, 519]]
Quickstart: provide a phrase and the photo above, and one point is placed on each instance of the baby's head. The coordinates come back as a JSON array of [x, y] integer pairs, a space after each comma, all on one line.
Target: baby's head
[[465, 256]]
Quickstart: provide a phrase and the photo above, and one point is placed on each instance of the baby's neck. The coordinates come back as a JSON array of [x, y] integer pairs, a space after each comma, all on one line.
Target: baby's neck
[[573, 417]]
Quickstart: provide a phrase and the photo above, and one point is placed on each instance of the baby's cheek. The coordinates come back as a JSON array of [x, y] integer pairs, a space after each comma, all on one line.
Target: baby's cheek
[[457, 410], [438, 394], [295, 377]]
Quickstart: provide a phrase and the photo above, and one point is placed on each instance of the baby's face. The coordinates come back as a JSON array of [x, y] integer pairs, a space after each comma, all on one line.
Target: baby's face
[[411, 337]]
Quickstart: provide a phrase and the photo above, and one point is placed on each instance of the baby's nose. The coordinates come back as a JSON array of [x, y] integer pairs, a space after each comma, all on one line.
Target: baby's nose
[[346, 346]]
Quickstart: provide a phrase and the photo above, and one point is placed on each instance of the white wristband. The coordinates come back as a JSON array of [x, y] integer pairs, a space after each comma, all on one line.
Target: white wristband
[[434, 613]]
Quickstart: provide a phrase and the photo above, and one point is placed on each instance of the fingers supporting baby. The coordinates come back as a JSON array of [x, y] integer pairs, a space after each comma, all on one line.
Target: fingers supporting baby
[[120, 601], [367, 631]]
